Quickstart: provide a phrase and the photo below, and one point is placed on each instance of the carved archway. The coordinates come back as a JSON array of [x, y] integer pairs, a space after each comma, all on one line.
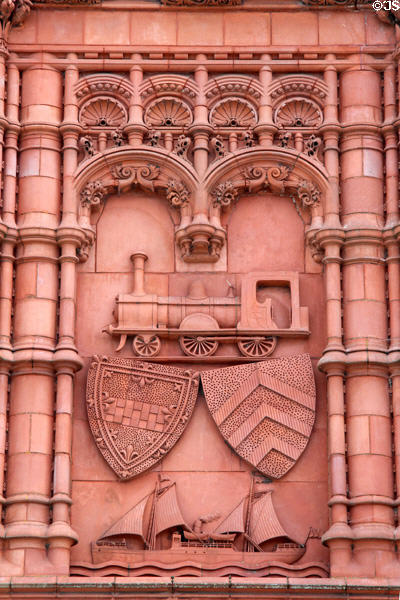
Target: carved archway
[[127, 168], [280, 171]]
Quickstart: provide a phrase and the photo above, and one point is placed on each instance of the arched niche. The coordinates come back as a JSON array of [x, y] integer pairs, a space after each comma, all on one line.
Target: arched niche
[[264, 233], [139, 173], [135, 221]]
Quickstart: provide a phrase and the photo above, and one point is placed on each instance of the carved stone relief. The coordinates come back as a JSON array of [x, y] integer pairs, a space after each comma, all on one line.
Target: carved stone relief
[[233, 112], [201, 323], [265, 411], [168, 112], [137, 411]]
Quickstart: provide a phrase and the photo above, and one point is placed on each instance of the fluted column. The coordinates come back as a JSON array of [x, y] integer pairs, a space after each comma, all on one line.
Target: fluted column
[[32, 387]]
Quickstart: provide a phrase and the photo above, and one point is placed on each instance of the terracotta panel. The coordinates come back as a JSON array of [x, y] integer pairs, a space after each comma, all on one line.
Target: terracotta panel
[[111, 28], [153, 28], [289, 27], [200, 28], [57, 25], [242, 29], [378, 32], [349, 30]]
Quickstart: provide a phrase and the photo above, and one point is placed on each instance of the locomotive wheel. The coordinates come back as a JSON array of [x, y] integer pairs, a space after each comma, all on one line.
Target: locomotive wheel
[[146, 345], [258, 347], [197, 345]]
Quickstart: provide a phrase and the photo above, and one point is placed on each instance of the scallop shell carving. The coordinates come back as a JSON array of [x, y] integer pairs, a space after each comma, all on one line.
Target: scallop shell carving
[[168, 112], [233, 112], [298, 112], [103, 112]]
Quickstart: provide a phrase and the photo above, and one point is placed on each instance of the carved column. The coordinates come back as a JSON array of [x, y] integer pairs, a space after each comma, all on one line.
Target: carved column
[[136, 128], [370, 473], [7, 272], [32, 386], [67, 361], [391, 233], [265, 128]]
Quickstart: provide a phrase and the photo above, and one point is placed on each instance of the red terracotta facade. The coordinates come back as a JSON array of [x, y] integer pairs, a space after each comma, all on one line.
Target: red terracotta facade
[[199, 299]]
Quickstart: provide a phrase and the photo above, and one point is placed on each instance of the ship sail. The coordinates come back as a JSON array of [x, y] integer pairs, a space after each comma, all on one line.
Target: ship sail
[[130, 524], [264, 523], [167, 512], [234, 522]]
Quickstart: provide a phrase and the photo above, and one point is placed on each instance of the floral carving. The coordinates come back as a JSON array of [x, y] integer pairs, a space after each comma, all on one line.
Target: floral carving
[[277, 179], [168, 112], [298, 112], [93, 193], [103, 111], [13, 14], [153, 137], [284, 138], [144, 176], [177, 193], [308, 194], [182, 146], [218, 146], [86, 143], [118, 137], [249, 139], [224, 194], [233, 112], [312, 145]]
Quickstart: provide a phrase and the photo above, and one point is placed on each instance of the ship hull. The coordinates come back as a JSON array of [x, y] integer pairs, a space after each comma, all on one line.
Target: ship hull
[[203, 557]]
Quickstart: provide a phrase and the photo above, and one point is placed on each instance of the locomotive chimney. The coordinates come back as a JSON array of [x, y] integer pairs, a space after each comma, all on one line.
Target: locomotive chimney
[[138, 259]]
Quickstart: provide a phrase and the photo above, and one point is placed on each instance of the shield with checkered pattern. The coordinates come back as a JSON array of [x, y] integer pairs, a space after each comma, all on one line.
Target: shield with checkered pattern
[[264, 410], [137, 411]]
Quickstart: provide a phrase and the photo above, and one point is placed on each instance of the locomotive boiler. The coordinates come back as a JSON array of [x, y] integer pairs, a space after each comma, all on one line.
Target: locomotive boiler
[[200, 322]]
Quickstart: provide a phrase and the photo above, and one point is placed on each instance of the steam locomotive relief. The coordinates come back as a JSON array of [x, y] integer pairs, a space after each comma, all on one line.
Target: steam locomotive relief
[[201, 323]]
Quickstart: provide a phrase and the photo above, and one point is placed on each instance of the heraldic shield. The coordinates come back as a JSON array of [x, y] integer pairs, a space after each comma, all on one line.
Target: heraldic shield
[[137, 411], [264, 410]]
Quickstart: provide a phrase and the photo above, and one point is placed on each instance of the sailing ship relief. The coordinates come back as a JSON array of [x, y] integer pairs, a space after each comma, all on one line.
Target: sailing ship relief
[[238, 540]]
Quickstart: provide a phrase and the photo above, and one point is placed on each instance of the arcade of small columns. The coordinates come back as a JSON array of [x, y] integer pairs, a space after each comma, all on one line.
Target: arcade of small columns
[[40, 237]]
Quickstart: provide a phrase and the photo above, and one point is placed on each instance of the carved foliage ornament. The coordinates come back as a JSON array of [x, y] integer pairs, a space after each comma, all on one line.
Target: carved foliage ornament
[[137, 411], [277, 179], [13, 13], [264, 410], [147, 177]]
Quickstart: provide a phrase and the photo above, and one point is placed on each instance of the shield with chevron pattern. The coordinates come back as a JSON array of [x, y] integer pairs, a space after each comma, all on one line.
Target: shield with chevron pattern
[[264, 410]]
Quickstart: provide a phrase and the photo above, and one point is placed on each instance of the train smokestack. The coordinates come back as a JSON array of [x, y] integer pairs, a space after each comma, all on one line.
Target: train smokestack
[[138, 259]]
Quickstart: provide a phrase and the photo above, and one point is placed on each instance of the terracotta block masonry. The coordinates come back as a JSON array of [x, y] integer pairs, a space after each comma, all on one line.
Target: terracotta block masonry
[[199, 299]]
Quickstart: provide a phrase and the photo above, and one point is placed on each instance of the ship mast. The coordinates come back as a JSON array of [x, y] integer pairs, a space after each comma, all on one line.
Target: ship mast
[[151, 535], [248, 546]]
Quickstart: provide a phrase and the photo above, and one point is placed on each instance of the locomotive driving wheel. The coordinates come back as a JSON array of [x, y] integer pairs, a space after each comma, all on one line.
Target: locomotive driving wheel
[[258, 347], [197, 345], [146, 345]]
